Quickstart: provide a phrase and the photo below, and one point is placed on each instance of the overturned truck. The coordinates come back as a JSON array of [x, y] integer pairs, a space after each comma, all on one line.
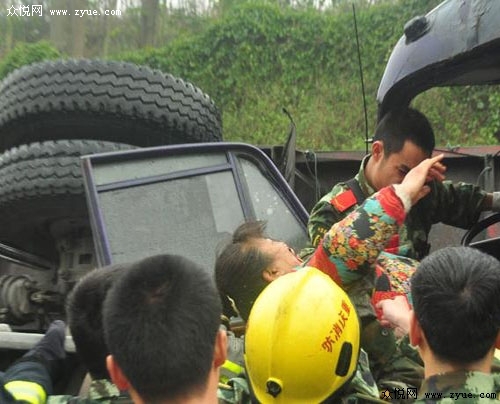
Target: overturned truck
[[106, 162]]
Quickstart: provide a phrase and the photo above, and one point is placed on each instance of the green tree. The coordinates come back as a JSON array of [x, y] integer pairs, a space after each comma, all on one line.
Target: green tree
[[25, 54]]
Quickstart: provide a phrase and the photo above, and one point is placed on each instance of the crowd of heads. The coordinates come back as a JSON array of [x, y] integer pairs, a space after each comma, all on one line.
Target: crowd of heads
[[153, 326], [158, 320]]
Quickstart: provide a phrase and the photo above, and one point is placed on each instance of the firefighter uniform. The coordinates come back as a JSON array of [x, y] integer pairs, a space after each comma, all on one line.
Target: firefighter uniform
[[30, 379], [27, 381]]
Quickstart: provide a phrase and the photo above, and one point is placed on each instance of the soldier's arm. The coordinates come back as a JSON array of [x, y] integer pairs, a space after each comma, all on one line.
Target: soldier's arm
[[465, 201], [458, 204]]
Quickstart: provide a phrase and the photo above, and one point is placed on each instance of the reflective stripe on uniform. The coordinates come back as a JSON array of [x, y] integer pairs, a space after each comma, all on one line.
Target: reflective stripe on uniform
[[229, 370], [30, 392]]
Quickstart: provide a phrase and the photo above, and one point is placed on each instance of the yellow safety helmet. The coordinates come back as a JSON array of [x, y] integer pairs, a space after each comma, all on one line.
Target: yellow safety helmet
[[302, 339]]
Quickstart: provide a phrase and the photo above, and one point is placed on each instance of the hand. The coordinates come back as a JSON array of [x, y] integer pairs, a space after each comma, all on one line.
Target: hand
[[395, 314], [51, 346], [50, 349], [413, 184]]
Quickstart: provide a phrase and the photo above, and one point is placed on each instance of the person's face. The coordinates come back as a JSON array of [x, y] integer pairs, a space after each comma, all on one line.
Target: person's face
[[388, 170], [285, 260]]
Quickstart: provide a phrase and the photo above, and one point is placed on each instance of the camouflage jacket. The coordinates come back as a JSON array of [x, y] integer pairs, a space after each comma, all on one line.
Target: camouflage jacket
[[100, 392], [460, 387], [455, 204]]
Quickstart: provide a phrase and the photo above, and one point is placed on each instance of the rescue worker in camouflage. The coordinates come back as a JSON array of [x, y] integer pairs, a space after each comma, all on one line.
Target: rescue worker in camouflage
[[402, 139], [348, 252], [84, 315], [455, 322]]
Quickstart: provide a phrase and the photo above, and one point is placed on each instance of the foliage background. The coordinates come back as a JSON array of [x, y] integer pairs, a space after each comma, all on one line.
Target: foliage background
[[255, 58]]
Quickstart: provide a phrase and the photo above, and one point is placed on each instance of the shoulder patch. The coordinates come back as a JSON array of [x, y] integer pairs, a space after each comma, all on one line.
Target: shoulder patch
[[343, 201]]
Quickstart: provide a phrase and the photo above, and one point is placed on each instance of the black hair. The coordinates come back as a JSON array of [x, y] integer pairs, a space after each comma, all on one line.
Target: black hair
[[402, 124], [161, 320], [456, 299], [84, 314], [239, 267]]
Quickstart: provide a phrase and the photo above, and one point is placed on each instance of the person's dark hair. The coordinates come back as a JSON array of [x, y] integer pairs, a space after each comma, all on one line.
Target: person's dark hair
[[84, 314], [161, 319], [456, 299], [402, 124], [239, 267]]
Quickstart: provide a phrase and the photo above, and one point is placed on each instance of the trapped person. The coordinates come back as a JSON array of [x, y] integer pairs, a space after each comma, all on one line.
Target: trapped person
[[347, 254]]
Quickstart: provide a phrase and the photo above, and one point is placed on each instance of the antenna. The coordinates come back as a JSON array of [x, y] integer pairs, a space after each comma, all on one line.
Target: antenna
[[287, 164], [361, 76]]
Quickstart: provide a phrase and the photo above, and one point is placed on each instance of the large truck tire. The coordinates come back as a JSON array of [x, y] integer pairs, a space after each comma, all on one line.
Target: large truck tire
[[103, 100], [41, 186]]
